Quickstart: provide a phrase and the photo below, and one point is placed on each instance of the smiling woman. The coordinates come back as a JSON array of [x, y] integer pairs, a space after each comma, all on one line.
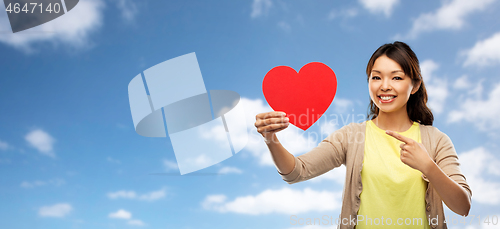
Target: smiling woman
[[393, 70], [399, 168]]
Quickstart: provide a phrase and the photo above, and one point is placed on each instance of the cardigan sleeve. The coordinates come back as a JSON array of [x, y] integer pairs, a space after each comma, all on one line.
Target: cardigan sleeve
[[447, 159], [330, 153]]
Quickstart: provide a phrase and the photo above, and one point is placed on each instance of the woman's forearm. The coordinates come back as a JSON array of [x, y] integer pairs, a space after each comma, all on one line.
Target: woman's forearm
[[284, 161], [452, 194]]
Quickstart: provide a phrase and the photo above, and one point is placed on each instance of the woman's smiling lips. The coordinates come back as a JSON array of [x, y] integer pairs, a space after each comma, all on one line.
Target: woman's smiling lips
[[385, 98]]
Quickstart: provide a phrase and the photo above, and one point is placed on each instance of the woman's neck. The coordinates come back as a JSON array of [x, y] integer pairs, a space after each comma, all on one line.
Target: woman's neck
[[396, 121]]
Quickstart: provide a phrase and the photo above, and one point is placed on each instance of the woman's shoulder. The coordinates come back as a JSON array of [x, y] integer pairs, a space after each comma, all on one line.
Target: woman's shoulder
[[433, 135], [431, 130]]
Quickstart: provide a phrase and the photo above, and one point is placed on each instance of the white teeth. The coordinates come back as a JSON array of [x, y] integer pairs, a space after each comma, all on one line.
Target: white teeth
[[386, 97]]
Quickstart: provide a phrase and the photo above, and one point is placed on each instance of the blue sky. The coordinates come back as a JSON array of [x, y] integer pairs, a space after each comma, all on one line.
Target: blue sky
[[70, 157]]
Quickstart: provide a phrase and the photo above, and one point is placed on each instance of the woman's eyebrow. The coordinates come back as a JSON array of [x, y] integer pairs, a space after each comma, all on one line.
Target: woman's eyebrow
[[395, 71]]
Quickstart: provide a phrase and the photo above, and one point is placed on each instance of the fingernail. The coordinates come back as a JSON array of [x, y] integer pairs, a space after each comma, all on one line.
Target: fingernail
[[286, 119]]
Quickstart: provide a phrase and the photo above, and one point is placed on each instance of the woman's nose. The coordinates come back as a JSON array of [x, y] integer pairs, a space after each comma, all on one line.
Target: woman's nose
[[386, 85]]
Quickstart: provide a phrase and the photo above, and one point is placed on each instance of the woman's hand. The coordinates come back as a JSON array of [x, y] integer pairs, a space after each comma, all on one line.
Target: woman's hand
[[413, 153], [270, 123]]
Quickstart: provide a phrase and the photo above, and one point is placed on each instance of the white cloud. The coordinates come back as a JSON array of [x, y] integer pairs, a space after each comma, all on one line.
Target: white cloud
[[122, 194], [57, 210], [328, 127], [482, 113], [291, 138], [33, 184], [170, 165], [260, 7], [379, 6], [212, 133], [284, 26], [342, 105], [450, 16], [212, 200], [437, 88], [467, 87], [112, 160], [126, 215], [475, 165], [228, 169], [5, 161], [344, 13], [337, 175], [72, 29], [462, 83], [120, 214], [136, 222], [41, 141], [128, 9], [55, 182], [427, 68], [484, 53], [4, 145], [151, 196], [154, 195], [284, 201], [437, 93], [202, 160]]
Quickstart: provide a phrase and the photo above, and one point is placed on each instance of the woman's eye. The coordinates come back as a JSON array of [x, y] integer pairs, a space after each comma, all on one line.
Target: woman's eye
[[397, 78], [375, 78]]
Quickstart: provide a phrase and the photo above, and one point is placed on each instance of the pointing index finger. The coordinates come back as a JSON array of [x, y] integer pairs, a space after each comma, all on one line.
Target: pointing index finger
[[399, 136]]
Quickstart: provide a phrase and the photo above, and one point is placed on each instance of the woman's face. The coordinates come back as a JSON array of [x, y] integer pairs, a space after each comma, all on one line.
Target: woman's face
[[390, 88]]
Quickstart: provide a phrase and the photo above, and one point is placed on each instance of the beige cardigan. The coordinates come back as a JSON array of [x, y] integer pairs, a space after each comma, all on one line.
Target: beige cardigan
[[346, 146]]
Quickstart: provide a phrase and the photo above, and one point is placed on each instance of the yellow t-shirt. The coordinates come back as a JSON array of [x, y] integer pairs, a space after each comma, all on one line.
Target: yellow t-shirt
[[393, 193]]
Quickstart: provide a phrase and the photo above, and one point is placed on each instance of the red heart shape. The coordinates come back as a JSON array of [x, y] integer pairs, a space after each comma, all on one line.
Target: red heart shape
[[303, 96]]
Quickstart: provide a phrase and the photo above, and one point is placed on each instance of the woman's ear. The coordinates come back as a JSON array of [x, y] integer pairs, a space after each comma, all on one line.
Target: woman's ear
[[416, 86]]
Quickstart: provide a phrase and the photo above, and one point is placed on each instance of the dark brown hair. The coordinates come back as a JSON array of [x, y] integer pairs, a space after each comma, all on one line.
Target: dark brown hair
[[417, 103]]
